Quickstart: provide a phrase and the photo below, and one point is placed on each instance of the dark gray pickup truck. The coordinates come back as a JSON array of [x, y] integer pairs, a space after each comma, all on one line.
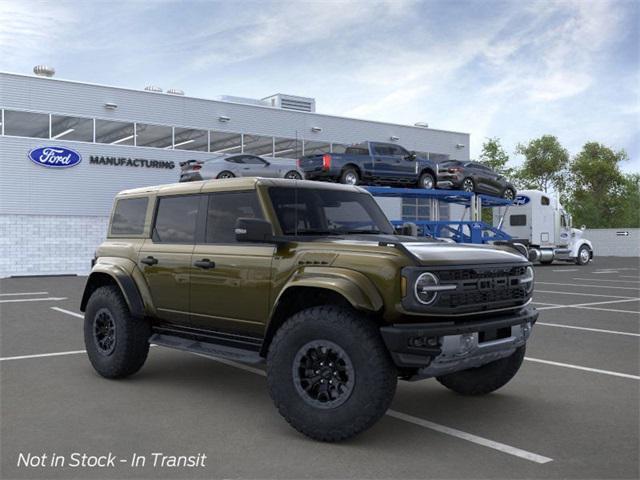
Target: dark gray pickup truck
[[372, 163]]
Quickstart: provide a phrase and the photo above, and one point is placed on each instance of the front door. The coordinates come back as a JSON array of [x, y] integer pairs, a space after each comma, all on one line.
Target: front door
[[230, 282], [253, 166], [165, 259]]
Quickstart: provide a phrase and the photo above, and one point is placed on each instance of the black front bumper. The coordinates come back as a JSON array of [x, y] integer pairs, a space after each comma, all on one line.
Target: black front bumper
[[415, 345]]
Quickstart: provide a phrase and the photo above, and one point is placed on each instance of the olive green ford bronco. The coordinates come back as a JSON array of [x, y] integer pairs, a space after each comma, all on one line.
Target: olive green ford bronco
[[311, 279]]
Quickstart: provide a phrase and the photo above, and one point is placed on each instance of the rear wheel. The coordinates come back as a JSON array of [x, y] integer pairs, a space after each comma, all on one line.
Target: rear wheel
[[116, 343], [350, 176], [427, 181], [584, 255], [293, 175], [484, 379], [329, 374], [225, 174], [468, 185]]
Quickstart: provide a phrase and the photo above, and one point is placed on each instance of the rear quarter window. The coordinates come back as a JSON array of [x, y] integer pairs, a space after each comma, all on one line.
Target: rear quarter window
[[128, 216]]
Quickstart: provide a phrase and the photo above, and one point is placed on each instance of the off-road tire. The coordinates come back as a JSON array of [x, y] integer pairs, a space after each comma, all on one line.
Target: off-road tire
[[348, 173], [579, 258], [375, 374], [484, 379], [225, 174], [424, 179], [131, 335]]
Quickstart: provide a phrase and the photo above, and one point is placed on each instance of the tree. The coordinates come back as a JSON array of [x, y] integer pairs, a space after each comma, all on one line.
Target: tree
[[495, 157], [545, 163], [600, 194]]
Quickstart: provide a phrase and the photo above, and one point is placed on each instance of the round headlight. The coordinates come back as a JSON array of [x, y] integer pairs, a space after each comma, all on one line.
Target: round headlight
[[527, 280], [424, 288]]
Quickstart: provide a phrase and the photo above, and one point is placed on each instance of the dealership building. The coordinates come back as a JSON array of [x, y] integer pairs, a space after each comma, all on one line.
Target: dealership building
[[51, 219]]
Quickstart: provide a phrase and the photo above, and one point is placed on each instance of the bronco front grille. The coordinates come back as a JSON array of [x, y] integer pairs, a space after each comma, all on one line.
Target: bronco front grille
[[478, 289]]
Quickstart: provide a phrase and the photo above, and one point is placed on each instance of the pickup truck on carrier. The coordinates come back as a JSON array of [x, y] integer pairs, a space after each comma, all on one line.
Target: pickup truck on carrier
[[371, 163]]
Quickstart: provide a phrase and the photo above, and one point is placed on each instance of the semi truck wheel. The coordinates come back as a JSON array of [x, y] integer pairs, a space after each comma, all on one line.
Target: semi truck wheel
[[584, 255], [484, 379], [117, 345], [329, 373]]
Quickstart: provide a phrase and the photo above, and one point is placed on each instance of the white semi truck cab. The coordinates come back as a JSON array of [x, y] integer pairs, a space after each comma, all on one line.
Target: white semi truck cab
[[538, 221]]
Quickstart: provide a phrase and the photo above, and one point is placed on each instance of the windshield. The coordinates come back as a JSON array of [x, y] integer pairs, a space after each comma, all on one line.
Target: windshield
[[308, 211]]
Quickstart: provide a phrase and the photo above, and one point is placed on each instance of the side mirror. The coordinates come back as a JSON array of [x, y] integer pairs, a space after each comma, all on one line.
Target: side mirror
[[411, 156], [408, 229], [253, 230]]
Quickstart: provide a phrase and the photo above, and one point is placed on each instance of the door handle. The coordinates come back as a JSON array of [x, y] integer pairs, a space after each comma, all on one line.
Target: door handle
[[149, 260], [204, 263]]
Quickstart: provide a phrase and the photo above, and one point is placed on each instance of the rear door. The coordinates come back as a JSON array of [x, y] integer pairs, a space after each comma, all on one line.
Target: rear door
[[231, 287], [165, 258], [383, 161]]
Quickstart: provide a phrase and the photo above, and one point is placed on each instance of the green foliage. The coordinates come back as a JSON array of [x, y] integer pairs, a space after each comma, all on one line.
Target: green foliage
[[599, 194], [544, 165], [494, 156]]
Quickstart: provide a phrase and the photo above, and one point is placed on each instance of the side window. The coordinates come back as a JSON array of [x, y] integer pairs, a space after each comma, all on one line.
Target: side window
[[381, 150], [544, 200], [250, 159], [239, 159], [129, 215], [518, 220], [563, 221], [224, 209], [176, 219], [397, 151]]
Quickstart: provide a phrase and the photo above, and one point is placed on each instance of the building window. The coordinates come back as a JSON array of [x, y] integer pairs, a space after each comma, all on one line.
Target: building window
[[315, 148], [157, 136], [114, 133], [225, 142], [287, 147], [191, 139], [415, 209], [71, 128], [258, 145], [26, 124]]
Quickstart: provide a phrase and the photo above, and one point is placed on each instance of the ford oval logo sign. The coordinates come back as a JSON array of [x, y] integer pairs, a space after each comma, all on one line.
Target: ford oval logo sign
[[55, 157], [521, 200]]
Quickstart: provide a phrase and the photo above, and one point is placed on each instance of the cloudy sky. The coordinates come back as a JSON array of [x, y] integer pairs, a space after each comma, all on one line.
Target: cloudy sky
[[514, 70]]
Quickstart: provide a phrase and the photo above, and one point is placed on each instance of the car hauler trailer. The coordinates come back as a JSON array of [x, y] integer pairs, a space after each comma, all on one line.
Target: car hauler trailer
[[538, 221]]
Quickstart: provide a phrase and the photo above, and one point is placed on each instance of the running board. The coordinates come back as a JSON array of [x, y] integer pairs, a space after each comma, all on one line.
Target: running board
[[206, 348]]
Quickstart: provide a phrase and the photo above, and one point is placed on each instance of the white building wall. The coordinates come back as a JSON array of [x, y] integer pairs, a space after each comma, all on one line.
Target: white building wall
[[613, 242]]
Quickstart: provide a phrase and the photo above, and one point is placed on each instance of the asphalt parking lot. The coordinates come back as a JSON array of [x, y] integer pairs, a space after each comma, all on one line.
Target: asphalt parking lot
[[571, 412]]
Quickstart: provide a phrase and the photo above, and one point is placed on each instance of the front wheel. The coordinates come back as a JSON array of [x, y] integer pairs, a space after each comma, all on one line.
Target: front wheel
[[293, 175], [484, 379], [116, 343], [427, 181], [329, 373], [584, 255], [509, 194]]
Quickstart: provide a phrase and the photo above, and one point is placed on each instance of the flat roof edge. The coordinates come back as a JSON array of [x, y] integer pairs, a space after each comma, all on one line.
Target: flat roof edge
[[267, 107]]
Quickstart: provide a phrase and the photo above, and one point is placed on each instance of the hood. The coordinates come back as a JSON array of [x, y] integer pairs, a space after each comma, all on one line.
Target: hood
[[435, 252], [459, 254]]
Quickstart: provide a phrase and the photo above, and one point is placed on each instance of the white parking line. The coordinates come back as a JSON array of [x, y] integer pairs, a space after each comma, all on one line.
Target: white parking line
[[610, 310], [23, 293], [41, 355], [580, 294], [628, 276], [584, 305], [68, 312], [588, 286], [604, 272], [586, 369], [567, 270], [516, 452], [47, 299], [607, 280], [597, 330]]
